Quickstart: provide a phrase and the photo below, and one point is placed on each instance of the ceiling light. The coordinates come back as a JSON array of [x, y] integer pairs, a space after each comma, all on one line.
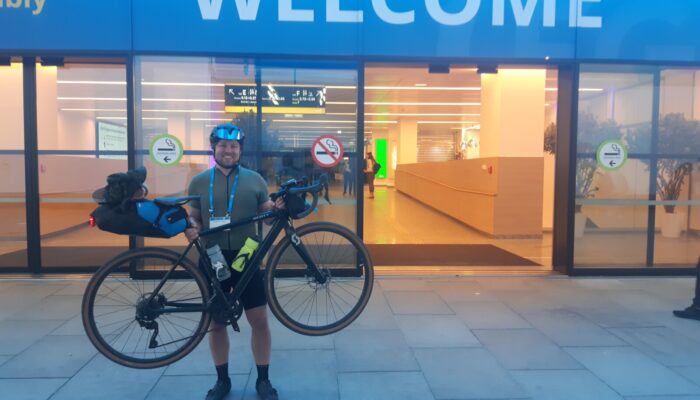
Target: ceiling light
[[188, 100], [93, 82], [94, 109], [210, 119], [372, 103], [93, 98], [314, 121], [420, 84], [425, 87], [446, 122], [188, 111], [381, 122], [424, 114], [195, 84]]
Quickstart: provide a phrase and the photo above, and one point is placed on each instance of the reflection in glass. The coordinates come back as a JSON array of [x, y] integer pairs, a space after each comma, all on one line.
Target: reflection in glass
[[13, 238]]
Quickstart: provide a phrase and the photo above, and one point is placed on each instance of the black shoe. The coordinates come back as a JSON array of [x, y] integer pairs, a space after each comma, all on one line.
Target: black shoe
[[690, 312], [265, 390], [220, 390]]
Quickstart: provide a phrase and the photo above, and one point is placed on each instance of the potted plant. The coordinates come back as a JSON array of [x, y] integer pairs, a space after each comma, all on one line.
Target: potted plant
[[677, 135]]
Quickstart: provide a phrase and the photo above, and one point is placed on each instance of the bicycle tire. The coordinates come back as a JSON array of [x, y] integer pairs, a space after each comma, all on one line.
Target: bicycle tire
[[286, 274], [116, 303]]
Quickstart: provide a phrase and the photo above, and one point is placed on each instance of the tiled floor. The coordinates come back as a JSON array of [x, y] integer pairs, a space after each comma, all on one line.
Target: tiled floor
[[439, 338]]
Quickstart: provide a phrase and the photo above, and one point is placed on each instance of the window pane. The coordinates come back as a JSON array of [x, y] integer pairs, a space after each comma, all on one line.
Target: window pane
[[13, 239], [611, 216], [82, 139]]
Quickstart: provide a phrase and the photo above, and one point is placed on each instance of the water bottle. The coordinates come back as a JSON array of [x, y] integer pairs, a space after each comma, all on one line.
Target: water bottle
[[218, 262], [245, 254]]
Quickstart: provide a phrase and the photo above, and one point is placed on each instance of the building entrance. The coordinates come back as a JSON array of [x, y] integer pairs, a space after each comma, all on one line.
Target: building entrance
[[467, 165]]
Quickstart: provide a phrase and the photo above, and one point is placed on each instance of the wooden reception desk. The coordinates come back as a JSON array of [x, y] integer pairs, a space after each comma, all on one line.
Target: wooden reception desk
[[501, 197]]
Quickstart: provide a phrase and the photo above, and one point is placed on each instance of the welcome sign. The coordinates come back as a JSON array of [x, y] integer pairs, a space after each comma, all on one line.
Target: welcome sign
[[514, 30]]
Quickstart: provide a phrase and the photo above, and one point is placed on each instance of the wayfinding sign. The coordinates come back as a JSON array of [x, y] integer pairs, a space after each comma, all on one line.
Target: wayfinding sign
[[276, 99], [611, 155], [166, 150]]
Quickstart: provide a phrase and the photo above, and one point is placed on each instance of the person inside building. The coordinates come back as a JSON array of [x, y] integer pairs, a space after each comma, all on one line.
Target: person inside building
[[230, 192], [370, 170]]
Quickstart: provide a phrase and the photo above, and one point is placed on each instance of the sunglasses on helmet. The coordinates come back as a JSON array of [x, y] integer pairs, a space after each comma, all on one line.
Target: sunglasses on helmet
[[227, 133]]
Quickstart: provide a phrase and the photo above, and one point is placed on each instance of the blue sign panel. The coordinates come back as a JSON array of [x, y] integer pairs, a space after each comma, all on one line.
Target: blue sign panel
[[613, 30], [103, 25], [667, 30]]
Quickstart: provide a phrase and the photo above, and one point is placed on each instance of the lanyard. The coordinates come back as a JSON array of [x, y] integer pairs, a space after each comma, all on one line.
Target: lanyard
[[230, 199]]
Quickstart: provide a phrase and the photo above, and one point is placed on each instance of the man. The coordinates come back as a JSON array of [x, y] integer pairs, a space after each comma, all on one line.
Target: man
[[229, 192]]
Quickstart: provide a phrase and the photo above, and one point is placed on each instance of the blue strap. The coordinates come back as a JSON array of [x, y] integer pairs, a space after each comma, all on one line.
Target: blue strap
[[231, 197]]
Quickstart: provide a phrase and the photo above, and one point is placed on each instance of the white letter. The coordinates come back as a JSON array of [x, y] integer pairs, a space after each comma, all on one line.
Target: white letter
[[462, 17], [287, 13], [335, 14], [573, 7], [550, 13], [247, 9], [387, 15], [39, 7], [588, 21], [210, 9], [523, 15]]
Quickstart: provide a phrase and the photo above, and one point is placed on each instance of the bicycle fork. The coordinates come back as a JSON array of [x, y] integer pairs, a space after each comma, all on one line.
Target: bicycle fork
[[311, 266]]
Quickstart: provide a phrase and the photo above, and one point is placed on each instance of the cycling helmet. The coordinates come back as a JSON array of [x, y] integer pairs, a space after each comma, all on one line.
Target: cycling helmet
[[227, 131]]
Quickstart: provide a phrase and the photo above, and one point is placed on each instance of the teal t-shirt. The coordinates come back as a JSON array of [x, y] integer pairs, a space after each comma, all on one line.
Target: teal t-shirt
[[251, 192]]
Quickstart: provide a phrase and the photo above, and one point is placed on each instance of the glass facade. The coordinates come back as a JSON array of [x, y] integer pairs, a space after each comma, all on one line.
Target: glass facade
[[82, 138], [639, 213]]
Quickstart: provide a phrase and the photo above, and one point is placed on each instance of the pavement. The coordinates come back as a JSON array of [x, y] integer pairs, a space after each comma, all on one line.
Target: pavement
[[544, 337]]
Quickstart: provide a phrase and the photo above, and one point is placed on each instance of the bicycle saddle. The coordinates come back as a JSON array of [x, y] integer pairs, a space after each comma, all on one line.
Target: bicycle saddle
[[174, 201]]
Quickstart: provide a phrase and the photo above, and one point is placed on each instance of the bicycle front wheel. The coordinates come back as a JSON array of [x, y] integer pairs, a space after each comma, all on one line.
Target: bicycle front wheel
[[313, 304], [130, 330]]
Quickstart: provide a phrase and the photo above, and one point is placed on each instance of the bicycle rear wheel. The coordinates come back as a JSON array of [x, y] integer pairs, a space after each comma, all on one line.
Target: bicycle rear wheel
[[128, 329], [302, 302]]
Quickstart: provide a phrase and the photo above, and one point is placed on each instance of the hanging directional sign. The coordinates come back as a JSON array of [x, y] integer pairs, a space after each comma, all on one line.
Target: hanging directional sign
[[276, 99], [327, 151], [611, 155], [166, 150]]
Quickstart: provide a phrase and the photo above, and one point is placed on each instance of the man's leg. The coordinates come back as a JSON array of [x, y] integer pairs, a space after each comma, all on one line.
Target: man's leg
[[219, 347], [261, 344]]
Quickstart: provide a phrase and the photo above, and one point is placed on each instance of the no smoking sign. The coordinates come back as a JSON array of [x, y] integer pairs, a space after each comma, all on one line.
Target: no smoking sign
[[327, 151]]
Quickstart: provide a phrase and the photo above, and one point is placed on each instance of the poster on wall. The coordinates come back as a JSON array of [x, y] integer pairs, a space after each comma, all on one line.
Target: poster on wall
[[110, 137]]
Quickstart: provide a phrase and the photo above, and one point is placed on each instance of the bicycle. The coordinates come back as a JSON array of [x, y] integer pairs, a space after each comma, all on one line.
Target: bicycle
[[149, 307]]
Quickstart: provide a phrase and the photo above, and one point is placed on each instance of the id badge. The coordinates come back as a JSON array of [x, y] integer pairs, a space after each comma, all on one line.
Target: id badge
[[215, 222]]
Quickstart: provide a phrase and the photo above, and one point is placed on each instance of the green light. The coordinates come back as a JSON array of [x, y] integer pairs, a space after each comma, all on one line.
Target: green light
[[380, 156]]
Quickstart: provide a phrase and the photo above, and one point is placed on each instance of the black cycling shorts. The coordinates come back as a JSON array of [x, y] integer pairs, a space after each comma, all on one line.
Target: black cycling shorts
[[254, 294]]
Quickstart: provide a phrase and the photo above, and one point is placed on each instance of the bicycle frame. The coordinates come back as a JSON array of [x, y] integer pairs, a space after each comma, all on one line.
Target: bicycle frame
[[281, 222]]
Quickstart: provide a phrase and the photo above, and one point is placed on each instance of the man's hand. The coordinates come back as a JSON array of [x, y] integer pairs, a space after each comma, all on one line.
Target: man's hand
[[192, 232], [279, 204]]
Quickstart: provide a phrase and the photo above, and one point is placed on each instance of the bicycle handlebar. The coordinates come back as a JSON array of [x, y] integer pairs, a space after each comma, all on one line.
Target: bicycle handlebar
[[300, 187]]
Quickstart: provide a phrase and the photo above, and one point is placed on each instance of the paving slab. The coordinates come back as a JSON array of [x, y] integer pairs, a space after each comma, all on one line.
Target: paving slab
[[662, 344], [466, 374], [194, 387], [416, 302], [569, 385], [567, 328], [489, 315], [16, 336], [436, 331], [631, 373], [373, 350], [384, 386], [50, 357], [112, 381], [525, 349], [29, 389]]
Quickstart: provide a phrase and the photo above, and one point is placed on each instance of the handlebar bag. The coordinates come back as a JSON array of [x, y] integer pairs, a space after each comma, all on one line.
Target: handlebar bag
[[141, 218]]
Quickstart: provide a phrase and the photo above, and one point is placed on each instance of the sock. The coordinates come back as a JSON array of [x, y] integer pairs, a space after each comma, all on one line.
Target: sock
[[222, 372], [262, 372]]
